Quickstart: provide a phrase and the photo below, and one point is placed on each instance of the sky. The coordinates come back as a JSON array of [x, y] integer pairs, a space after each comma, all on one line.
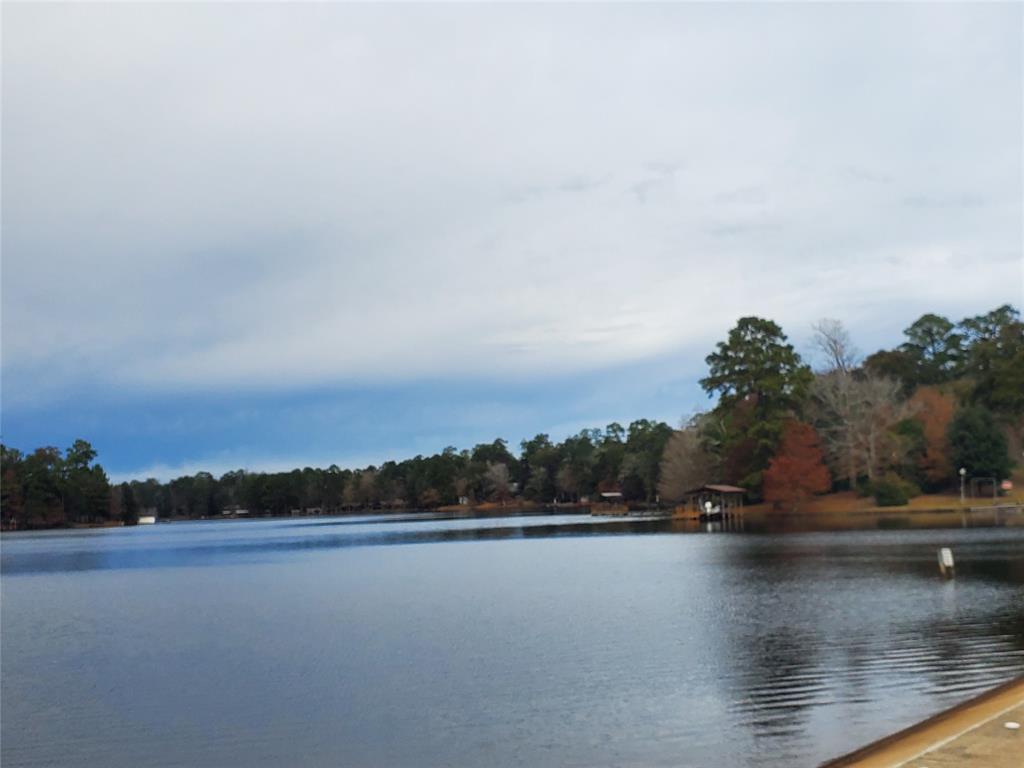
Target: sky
[[273, 235]]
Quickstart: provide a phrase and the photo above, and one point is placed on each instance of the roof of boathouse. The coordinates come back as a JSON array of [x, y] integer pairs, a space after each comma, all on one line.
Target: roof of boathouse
[[714, 488]]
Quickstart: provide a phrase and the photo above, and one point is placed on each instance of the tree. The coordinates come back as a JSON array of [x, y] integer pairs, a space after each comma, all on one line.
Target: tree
[[882, 408], [797, 470], [644, 448], [540, 486], [79, 456], [935, 347], [12, 501], [496, 481], [685, 463], [366, 487], [129, 506], [832, 341], [893, 364], [43, 488], [610, 454], [994, 360], [496, 453], [567, 483], [761, 381], [988, 327], [541, 460], [755, 362], [83, 486], [935, 412], [579, 455], [978, 444], [631, 482], [838, 406], [913, 447], [855, 415]]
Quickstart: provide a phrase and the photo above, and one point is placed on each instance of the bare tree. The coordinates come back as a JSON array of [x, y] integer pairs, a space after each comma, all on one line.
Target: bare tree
[[496, 481], [685, 464], [832, 341], [854, 416], [883, 406], [836, 407], [366, 492]]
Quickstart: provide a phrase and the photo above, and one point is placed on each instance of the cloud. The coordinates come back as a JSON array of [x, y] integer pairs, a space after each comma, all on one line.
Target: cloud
[[268, 197]]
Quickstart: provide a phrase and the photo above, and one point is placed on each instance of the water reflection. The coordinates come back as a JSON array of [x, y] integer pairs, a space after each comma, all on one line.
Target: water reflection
[[120, 553], [885, 628], [213, 543]]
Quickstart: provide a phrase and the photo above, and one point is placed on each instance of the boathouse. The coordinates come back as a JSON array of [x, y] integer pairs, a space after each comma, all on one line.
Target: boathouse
[[725, 500]]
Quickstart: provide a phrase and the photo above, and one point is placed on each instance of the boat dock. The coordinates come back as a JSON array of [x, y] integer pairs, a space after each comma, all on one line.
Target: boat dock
[[986, 731]]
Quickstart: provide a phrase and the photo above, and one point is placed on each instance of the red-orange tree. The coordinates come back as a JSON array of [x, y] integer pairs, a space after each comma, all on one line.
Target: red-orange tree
[[797, 470], [935, 412]]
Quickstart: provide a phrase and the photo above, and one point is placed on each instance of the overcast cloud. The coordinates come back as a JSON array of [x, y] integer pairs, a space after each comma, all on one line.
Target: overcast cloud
[[216, 198]]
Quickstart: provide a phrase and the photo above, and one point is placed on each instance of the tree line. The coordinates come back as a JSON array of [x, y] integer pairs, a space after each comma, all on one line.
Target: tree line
[[38, 487], [890, 425]]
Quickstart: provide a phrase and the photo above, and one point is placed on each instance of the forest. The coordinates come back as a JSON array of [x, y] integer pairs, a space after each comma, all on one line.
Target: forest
[[889, 426]]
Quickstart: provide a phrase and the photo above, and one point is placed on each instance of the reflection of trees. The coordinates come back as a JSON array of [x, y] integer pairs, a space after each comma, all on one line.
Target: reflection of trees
[[858, 629], [776, 645], [781, 683]]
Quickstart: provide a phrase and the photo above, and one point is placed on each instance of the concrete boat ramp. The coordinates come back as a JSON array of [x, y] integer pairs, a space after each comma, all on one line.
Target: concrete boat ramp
[[986, 731]]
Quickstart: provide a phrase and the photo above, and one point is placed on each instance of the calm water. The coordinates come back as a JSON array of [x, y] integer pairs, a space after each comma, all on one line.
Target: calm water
[[534, 641]]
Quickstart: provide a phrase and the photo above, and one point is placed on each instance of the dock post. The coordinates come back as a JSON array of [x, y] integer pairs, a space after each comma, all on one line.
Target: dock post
[[946, 567]]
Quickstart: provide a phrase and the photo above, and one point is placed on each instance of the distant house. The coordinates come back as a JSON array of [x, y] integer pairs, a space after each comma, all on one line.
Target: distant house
[[147, 516], [612, 502], [234, 511]]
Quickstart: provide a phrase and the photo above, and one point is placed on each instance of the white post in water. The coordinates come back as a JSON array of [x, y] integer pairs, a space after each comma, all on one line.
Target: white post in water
[[946, 561]]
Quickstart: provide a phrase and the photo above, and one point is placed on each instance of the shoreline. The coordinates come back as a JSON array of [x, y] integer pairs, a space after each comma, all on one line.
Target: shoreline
[[758, 517]]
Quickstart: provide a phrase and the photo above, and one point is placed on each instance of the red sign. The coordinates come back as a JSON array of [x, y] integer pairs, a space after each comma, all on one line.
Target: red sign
[[1006, 485]]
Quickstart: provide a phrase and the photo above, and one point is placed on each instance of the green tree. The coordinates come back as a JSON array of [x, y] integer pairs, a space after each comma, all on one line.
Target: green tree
[[12, 501], [576, 473], [756, 362], [43, 488], [760, 381], [129, 505], [541, 459], [994, 360], [644, 448], [493, 453], [894, 364], [935, 347], [83, 485], [978, 444]]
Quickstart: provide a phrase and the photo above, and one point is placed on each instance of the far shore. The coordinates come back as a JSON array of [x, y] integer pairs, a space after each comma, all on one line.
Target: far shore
[[836, 511]]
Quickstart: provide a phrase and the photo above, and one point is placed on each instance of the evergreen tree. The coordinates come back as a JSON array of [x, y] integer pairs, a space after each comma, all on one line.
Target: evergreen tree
[[761, 382], [978, 444]]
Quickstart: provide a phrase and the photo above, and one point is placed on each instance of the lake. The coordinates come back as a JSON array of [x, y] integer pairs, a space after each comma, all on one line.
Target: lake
[[516, 641]]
